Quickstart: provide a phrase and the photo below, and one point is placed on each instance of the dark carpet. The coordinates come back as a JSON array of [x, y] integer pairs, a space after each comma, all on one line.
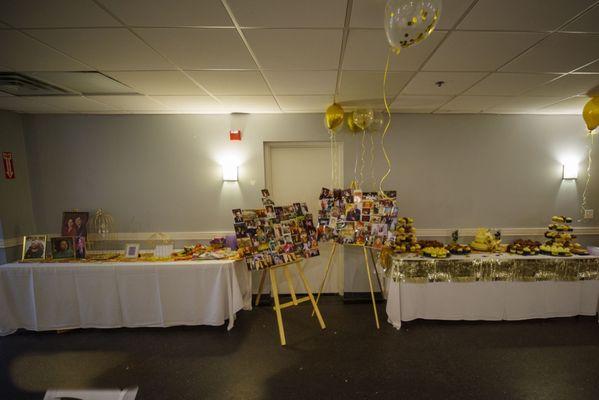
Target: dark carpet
[[538, 359]]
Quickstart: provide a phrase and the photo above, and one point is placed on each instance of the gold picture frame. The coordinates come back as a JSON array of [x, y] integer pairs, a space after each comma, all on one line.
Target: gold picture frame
[[31, 251]]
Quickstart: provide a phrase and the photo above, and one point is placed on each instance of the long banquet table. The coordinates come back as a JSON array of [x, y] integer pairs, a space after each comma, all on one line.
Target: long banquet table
[[57, 296], [491, 287]]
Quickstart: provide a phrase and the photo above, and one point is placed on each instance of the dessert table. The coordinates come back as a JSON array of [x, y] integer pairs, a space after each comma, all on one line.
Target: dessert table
[[491, 287], [57, 296]]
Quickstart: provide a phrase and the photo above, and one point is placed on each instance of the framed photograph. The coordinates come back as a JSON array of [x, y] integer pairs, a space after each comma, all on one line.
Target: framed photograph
[[74, 223], [132, 250], [80, 246], [63, 247], [34, 248]]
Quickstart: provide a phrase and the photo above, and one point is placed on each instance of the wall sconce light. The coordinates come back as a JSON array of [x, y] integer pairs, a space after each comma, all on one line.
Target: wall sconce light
[[230, 173], [570, 171]]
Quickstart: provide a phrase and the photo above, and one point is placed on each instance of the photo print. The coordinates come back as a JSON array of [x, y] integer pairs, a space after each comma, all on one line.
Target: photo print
[[63, 247], [74, 223], [34, 248]]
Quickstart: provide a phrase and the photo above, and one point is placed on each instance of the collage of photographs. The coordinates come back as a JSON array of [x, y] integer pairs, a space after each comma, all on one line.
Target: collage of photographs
[[275, 234], [71, 244], [361, 218]]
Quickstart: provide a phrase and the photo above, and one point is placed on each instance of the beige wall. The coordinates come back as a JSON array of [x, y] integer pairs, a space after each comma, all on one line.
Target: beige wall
[[162, 172], [16, 218]]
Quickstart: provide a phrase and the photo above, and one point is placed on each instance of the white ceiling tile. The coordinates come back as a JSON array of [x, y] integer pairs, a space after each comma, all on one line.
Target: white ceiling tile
[[522, 15], [55, 14], [560, 52], [471, 104], [130, 102], [356, 85], [425, 83], [199, 104], [370, 13], [566, 86], [250, 104], [290, 13], [572, 105], [20, 52], [588, 22], [302, 82], [318, 103], [158, 82], [506, 84], [296, 48], [479, 51], [192, 48], [75, 104], [231, 82], [367, 50], [522, 105], [107, 49], [418, 104], [170, 13]]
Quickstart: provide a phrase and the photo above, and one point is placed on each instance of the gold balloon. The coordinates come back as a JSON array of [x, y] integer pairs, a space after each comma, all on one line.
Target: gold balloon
[[377, 122], [363, 118], [353, 128], [590, 113], [408, 22], [333, 118]]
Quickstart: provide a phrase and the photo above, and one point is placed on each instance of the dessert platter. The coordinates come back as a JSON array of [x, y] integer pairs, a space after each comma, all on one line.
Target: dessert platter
[[562, 242]]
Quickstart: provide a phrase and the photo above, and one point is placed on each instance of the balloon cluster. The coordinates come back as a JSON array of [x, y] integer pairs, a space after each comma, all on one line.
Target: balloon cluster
[[360, 120], [590, 113]]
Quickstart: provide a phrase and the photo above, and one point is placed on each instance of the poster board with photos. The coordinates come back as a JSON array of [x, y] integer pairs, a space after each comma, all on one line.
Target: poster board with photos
[[361, 218], [275, 234]]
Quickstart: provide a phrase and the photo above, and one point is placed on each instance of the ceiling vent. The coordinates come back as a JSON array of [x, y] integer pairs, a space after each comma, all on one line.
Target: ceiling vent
[[21, 85]]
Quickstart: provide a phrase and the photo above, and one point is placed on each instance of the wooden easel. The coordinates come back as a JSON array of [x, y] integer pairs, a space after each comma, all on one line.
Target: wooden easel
[[366, 264], [294, 300]]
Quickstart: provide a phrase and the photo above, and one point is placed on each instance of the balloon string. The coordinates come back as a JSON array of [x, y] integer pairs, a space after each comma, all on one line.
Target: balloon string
[[583, 206], [331, 142], [372, 178], [363, 152], [355, 159], [382, 192]]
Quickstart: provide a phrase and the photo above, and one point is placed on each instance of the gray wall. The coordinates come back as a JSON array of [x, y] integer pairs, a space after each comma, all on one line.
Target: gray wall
[[162, 172], [16, 218]]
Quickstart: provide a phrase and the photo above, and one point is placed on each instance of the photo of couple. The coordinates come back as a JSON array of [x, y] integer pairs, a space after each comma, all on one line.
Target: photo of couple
[[74, 223]]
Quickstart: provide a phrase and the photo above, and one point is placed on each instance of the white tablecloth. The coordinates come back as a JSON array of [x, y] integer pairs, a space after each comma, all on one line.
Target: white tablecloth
[[109, 295], [490, 301]]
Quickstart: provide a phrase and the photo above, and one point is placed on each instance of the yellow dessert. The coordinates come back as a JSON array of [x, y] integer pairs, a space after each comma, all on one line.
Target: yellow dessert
[[485, 241]]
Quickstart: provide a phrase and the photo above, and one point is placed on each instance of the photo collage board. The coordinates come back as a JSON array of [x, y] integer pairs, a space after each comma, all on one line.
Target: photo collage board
[[275, 234], [363, 218]]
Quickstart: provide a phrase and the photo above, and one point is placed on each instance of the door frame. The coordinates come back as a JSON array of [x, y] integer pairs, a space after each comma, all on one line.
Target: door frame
[[337, 153]]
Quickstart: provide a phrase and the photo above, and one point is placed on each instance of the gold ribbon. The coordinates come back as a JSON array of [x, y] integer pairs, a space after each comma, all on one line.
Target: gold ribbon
[[583, 206], [363, 147], [382, 192]]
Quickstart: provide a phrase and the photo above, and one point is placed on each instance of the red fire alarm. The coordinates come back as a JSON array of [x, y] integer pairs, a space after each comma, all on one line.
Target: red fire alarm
[[9, 167], [235, 135]]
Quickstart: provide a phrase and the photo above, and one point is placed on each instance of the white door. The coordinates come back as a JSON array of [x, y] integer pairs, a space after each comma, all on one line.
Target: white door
[[296, 172]]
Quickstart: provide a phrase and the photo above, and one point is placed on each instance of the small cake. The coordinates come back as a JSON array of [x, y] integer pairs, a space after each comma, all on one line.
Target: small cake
[[484, 240]]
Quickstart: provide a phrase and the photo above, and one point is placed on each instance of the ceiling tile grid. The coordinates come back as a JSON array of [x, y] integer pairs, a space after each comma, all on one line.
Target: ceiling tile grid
[[189, 56]]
